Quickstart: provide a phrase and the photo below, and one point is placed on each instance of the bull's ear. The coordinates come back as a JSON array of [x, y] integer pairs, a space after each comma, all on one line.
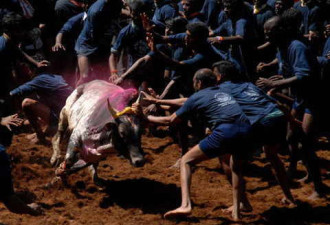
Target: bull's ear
[[112, 111]]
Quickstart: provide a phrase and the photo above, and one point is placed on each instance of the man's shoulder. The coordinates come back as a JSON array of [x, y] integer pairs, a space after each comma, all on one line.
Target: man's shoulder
[[297, 45]]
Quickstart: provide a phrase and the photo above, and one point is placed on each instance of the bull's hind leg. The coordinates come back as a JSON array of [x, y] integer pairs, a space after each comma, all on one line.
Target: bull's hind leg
[[58, 137]]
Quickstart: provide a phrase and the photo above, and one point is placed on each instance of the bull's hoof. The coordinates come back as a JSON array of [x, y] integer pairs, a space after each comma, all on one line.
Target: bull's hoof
[[55, 161]]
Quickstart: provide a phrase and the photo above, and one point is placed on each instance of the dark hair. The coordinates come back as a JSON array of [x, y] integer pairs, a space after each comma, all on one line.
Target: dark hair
[[207, 77], [137, 6], [290, 22], [228, 71], [12, 21], [198, 29], [177, 24]]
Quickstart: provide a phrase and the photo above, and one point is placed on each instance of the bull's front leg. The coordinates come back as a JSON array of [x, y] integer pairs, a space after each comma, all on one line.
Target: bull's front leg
[[57, 139], [93, 172]]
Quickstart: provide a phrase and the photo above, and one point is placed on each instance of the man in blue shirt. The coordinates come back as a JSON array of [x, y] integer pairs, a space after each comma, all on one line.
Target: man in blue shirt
[[311, 17], [14, 31], [238, 32], [191, 10], [230, 131], [131, 38], [164, 11], [195, 38], [300, 71], [267, 120], [100, 14], [51, 93]]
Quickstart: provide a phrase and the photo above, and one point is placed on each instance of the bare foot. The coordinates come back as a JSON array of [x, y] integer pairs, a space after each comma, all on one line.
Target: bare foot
[[31, 136], [314, 196], [16, 205], [181, 211], [176, 164], [243, 208], [286, 201], [236, 216]]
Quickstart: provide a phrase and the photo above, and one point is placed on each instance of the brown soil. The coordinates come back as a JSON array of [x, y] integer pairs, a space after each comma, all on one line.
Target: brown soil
[[143, 195]]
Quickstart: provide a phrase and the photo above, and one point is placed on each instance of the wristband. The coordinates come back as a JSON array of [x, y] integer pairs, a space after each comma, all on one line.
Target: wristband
[[114, 71], [220, 38]]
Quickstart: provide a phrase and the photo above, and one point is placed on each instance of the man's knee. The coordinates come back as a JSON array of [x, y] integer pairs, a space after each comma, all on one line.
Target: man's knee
[[28, 103]]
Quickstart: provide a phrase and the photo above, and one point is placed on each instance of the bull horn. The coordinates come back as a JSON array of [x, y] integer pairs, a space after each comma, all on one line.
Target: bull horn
[[139, 99], [112, 111]]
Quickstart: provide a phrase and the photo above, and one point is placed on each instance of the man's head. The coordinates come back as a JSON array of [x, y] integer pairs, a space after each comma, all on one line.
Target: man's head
[[175, 25], [204, 78], [191, 6], [14, 26], [282, 5], [272, 30], [136, 7], [232, 7], [197, 34], [226, 71]]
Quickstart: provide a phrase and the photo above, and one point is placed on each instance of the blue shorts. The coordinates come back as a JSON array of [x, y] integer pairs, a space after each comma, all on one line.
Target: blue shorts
[[301, 107], [271, 129], [232, 138]]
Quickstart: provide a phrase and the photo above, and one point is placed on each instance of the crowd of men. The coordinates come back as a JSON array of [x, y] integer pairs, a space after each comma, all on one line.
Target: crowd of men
[[254, 74]]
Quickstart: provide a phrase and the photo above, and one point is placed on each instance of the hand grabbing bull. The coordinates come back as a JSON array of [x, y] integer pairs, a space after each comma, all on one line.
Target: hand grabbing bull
[[91, 128]]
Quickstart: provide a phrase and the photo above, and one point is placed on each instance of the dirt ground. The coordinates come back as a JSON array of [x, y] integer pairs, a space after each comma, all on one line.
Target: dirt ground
[[143, 195]]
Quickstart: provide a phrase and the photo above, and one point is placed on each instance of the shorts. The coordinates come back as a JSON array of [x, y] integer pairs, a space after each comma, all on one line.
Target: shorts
[[301, 107], [271, 129], [228, 138]]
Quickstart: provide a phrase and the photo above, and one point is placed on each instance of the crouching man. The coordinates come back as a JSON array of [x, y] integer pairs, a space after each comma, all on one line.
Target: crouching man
[[230, 131], [43, 98]]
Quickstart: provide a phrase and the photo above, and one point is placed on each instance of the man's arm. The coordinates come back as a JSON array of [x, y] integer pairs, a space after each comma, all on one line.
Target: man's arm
[[164, 120], [42, 63], [171, 102]]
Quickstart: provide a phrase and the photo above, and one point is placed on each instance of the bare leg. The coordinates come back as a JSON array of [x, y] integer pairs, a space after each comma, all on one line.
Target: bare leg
[[33, 111], [245, 205], [236, 168], [83, 65], [279, 170], [309, 156], [192, 157]]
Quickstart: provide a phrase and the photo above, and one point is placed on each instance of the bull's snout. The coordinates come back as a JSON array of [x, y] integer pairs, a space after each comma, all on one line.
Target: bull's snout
[[138, 162]]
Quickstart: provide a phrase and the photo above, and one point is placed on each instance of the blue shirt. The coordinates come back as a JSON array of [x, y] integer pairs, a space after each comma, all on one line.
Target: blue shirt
[[163, 12], [132, 38], [210, 10], [254, 102], [297, 60], [311, 17], [243, 53], [214, 106], [51, 89], [9, 52], [100, 14], [73, 25], [324, 60]]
